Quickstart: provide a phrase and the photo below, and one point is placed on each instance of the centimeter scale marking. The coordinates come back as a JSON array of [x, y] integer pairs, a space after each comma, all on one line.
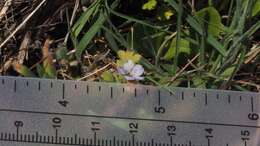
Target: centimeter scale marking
[[131, 118], [228, 98], [43, 139], [69, 96]]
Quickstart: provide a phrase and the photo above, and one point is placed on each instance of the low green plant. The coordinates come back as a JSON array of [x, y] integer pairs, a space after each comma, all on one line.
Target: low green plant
[[44, 69], [177, 43], [221, 45]]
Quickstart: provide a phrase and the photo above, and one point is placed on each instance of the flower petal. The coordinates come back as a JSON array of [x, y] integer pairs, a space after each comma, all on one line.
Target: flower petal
[[121, 71], [128, 66], [137, 71]]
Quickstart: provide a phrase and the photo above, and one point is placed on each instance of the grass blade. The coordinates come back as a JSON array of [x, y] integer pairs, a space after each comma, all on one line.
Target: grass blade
[[78, 26], [89, 35], [178, 37]]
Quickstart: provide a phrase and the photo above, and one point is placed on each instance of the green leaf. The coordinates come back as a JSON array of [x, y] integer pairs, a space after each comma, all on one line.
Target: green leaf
[[143, 41], [23, 70], [194, 24], [111, 42], [217, 45], [178, 37], [190, 19], [150, 5], [88, 36], [61, 53], [50, 70], [184, 47], [256, 8], [198, 82], [169, 68], [212, 18], [40, 70], [116, 37], [107, 76], [133, 19], [119, 78], [228, 72], [173, 4], [85, 16]]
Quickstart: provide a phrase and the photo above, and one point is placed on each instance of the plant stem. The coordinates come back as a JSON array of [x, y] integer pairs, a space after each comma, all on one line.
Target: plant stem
[[178, 37]]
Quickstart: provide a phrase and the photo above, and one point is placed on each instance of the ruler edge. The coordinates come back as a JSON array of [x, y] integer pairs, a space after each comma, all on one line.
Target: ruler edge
[[256, 94], [119, 84]]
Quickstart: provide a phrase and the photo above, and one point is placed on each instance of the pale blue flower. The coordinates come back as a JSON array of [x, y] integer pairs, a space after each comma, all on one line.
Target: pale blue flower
[[131, 71]]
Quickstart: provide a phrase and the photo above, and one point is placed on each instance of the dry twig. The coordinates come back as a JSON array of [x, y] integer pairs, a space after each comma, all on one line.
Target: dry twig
[[183, 69], [95, 72], [23, 53], [5, 9], [22, 24]]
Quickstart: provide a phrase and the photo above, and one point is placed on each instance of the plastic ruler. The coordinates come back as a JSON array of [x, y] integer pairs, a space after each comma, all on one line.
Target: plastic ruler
[[39, 112]]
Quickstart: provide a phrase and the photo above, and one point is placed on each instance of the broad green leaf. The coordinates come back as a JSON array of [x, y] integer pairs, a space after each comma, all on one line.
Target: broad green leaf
[[107, 76], [150, 5], [88, 36], [212, 18], [183, 48]]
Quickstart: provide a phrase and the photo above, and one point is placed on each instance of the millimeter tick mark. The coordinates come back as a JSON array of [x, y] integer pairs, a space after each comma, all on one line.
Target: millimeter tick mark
[[63, 91], [252, 104]]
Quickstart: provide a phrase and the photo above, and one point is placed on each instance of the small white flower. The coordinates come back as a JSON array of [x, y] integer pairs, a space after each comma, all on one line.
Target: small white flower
[[131, 71], [128, 66], [137, 71]]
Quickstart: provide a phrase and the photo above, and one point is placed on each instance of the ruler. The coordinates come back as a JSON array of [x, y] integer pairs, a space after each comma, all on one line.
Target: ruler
[[39, 112]]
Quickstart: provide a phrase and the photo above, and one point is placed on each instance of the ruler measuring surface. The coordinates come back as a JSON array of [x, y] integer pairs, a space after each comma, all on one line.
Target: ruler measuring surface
[[36, 112]]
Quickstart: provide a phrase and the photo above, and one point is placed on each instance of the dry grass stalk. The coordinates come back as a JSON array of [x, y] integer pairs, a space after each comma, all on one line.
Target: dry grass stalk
[[5, 9], [255, 51], [23, 53], [183, 69], [46, 53], [22, 24], [95, 72]]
